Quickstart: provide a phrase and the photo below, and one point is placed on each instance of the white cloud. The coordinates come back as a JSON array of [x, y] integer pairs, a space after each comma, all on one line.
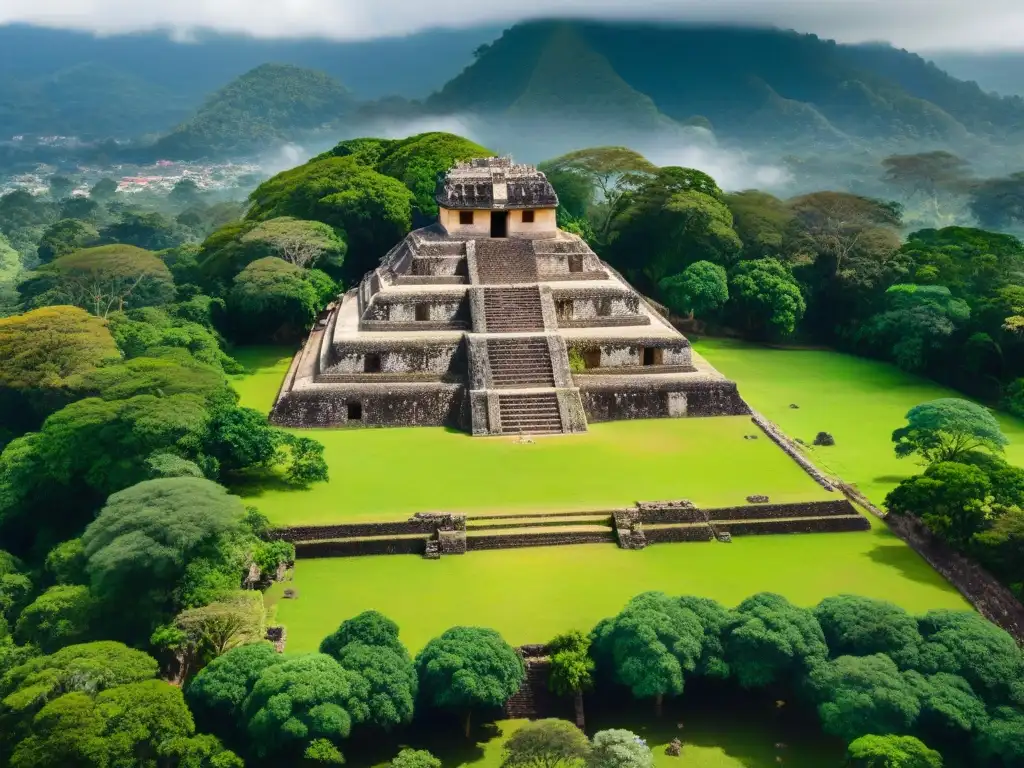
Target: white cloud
[[914, 24]]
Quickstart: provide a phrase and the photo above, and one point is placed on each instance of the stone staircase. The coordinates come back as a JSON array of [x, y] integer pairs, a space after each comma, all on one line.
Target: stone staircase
[[520, 362], [505, 261], [533, 699], [513, 310], [533, 413]]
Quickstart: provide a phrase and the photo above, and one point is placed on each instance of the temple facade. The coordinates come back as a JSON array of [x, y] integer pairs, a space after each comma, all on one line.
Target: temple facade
[[495, 321]]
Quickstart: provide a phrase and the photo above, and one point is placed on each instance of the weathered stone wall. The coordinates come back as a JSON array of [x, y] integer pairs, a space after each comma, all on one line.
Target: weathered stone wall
[[437, 266], [438, 309], [355, 548], [399, 357], [821, 525], [354, 530], [636, 398], [383, 406], [666, 535], [519, 540], [836, 508], [616, 353]]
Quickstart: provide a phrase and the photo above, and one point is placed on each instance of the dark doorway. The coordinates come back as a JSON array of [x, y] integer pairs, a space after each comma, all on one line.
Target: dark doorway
[[499, 223], [371, 364], [355, 411], [592, 358], [422, 312], [652, 356]]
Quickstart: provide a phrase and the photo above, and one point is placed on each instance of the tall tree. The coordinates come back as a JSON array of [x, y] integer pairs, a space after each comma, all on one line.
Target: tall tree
[[64, 237], [546, 743], [765, 298], [571, 669], [948, 429], [467, 668]]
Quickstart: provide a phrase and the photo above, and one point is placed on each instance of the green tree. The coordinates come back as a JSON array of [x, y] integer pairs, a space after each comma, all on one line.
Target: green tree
[[144, 538], [951, 713], [217, 693], [272, 299], [998, 203], [771, 641], [965, 644], [650, 646], [765, 298], [545, 744], [948, 429], [673, 219], [58, 617], [301, 699], [418, 161], [415, 758], [184, 193], [1003, 737], [213, 630], [766, 225], [468, 668], [700, 288], [571, 669], [861, 626], [619, 748], [65, 237], [159, 377], [102, 280], [368, 644], [918, 320], [611, 171], [891, 752], [373, 210], [103, 190], [81, 208], [951, 499], [199, 751], [65, 563], [1013, 398], [863, 694], [43, 351], [51, 481], [302, 243], [151, 231], [125, 725]]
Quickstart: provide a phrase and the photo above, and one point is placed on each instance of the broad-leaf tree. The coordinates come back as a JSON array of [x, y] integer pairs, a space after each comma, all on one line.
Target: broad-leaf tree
[[571, 669], [891, 752], [548, 743], [948, 429]]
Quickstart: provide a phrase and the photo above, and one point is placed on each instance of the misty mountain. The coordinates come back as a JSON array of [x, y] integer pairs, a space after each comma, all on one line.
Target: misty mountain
[[752, 84], [267, 105], [147, 82], [1000, 72]]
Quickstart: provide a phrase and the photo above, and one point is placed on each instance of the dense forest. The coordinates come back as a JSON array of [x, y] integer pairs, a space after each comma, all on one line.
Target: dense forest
[[129, 559]]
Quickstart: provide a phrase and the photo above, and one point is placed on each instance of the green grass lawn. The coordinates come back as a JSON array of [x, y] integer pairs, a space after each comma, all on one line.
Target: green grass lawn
[[710, 740], [391, 473], [859, 401], [530, 595]]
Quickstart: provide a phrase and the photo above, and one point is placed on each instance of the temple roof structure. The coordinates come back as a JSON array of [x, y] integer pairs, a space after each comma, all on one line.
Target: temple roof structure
[[495, 183]]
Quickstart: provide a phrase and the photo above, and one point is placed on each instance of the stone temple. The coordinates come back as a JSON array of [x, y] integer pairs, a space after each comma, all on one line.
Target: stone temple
[[494, 321]]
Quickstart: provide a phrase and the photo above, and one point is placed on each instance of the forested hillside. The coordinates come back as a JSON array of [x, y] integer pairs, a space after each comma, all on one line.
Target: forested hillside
[[263, 106], [748, 83]]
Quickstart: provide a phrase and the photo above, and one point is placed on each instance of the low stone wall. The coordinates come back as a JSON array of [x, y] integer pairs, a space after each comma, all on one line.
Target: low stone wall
[[379, 406], [515, 541], [979, 587], [780, 438], [635, 398], [836, 508], [811, 525], [354, 548], [669, 535], [604, 322], [352, 530]]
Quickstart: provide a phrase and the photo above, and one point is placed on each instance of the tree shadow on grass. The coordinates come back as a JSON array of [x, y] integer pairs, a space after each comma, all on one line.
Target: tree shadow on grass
[[892, 552]]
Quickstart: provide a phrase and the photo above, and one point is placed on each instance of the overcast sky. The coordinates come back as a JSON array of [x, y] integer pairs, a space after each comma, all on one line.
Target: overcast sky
[[914, 24]]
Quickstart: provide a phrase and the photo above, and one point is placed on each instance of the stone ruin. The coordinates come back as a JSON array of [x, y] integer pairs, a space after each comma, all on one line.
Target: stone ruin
[[495, 321]]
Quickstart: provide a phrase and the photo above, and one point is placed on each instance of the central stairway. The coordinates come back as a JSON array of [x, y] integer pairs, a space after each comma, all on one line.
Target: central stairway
[[520, 362], [513, 310], [506, 261], [534, 413]]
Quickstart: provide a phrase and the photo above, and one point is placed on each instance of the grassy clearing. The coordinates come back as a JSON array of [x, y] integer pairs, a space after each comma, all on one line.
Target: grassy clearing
[[859, 401], [381, 474], [529, 595], [710, 740]]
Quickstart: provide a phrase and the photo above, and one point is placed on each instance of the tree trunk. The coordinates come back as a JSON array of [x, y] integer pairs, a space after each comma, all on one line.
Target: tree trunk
[[468, 723], [659, 702], [580, 723]]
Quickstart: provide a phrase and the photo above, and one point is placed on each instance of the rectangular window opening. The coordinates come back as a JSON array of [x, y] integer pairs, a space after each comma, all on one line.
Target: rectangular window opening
[[592, 358], [465, 217], [371, 364], [527, 217], [355, 411], [563, 309], [422, 312], [652, 355]]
